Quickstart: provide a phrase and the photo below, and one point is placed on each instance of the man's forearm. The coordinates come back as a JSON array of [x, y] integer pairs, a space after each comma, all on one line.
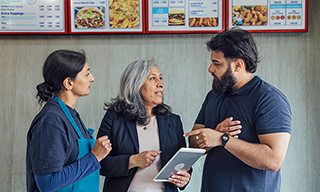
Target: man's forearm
[[269, 155]]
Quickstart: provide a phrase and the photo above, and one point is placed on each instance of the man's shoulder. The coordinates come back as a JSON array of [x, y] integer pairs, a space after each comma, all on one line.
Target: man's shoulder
[[266, 89]]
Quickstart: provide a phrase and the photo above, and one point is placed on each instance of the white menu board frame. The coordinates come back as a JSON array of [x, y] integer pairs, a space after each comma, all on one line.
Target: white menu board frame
[[115, 17], [27, 17], [271, 15], [185, 16]]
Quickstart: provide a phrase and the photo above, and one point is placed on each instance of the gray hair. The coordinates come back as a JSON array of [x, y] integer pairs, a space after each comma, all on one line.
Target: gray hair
[[132, 79], [129, 101]]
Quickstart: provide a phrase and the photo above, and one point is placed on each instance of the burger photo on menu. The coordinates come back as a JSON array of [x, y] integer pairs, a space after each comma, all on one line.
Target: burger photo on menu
[[176, 17]]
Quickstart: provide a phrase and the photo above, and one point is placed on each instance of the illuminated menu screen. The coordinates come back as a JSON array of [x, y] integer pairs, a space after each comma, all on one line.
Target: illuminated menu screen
[[111, 16], [185, 16], [268, 15], [33, 16]]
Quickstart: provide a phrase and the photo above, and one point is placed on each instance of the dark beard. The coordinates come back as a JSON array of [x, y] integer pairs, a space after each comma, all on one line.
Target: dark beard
[[227, 82]]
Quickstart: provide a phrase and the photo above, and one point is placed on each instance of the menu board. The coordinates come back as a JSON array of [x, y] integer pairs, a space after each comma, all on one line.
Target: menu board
[[33, 17], [106, 16], [185, 16], [268, 15]]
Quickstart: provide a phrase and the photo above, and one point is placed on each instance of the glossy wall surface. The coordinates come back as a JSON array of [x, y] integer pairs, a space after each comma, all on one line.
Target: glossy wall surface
[[289, 61]]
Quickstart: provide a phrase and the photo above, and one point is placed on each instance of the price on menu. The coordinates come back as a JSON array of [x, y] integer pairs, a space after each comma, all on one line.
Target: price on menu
[[32, 16]]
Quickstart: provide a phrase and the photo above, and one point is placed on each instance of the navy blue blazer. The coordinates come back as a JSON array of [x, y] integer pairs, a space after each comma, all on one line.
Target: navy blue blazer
[[124, 138]]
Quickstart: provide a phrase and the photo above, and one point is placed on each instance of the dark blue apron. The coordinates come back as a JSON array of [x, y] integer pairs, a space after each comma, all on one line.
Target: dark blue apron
[[91, 182]]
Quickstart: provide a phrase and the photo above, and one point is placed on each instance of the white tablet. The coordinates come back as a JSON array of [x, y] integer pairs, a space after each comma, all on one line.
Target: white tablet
[[183, 159]]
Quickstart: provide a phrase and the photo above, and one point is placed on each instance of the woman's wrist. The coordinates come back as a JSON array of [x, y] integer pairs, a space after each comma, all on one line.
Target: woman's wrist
[[131, 161]]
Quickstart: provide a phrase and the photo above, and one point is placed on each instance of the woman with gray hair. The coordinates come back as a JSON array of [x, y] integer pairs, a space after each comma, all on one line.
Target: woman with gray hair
[[143, 132]]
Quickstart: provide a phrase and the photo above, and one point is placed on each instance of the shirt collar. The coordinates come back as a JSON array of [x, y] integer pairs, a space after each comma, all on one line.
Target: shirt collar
[[246, 88], [73, 112]]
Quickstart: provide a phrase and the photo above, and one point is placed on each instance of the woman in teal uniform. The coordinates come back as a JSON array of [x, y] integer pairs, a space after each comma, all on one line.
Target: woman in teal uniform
[[62, 154]]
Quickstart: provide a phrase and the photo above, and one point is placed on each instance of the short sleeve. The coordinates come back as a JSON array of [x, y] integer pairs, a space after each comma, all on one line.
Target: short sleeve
[[48, 146], [274, 114], [202, 114]]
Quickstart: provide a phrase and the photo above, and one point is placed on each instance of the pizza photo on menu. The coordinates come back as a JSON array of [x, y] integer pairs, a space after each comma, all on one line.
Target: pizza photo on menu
[[89, 17]]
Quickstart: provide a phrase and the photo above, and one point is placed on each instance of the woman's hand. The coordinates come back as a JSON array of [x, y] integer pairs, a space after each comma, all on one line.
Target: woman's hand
[[180, 179], [101, 148], [143, 159]]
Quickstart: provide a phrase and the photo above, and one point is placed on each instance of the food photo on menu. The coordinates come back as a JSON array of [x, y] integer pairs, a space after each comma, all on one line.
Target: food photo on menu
[[89, 17], [176, 17], [249, 15], [203, 22], [124, 13]]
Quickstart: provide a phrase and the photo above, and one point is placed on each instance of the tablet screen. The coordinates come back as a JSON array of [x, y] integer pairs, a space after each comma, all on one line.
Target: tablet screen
[[183, 159]]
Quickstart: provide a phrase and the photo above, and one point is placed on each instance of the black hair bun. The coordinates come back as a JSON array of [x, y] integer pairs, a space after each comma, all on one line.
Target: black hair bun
[[44, 91]]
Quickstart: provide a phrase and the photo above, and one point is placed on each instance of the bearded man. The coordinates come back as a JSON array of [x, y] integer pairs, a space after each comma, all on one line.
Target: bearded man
[[244, 123]]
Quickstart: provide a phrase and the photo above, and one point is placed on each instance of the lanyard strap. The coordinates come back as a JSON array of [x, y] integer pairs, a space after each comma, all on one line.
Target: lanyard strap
[[68, 114]]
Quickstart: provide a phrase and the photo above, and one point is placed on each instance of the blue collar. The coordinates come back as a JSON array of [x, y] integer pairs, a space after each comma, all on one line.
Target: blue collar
[[246, 88], [69, 116]]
